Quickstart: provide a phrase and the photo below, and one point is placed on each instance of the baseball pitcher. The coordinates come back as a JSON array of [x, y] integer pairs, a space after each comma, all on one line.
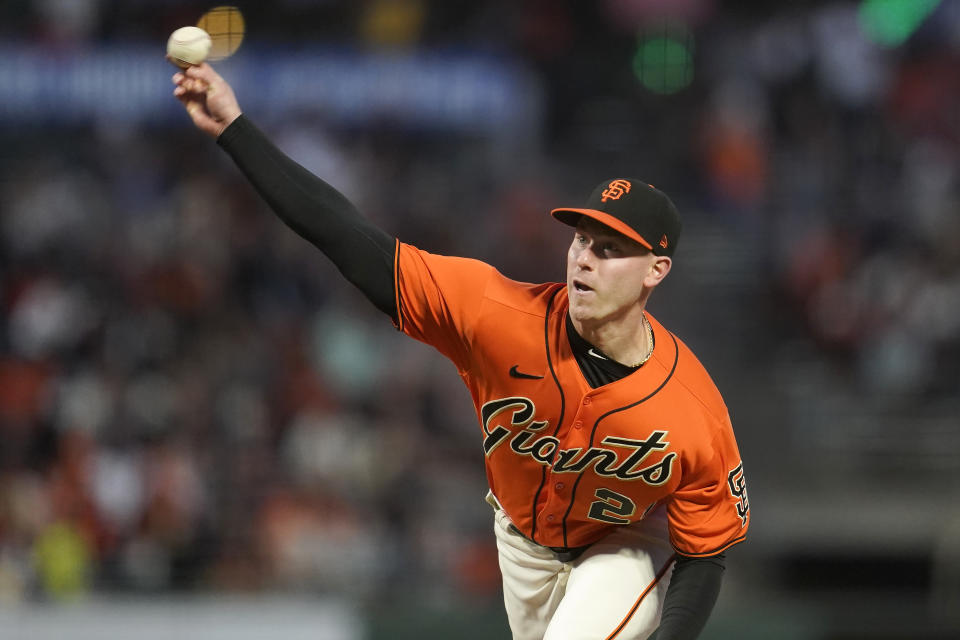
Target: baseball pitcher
[[614, 476]]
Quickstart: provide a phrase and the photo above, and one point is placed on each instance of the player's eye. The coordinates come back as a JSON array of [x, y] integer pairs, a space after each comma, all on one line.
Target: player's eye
[[609, 250]]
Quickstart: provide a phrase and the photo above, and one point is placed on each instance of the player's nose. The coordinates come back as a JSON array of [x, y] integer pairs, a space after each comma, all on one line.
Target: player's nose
[[584, 258]]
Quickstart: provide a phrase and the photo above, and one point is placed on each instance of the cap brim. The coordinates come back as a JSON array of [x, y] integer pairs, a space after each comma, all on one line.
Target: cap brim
[[572, 217]]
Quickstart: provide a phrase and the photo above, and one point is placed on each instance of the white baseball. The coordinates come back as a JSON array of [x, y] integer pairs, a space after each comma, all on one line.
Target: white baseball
[[188, 46]]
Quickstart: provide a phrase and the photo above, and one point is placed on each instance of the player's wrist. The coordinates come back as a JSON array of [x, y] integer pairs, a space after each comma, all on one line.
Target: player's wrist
[[226, 122], [230, 128]]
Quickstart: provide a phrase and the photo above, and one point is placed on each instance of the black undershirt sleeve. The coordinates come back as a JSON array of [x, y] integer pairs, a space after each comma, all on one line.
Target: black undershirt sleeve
[[694, 587], [316, 211]]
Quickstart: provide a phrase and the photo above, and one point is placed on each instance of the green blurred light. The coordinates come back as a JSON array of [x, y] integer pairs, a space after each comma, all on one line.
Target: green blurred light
[[890, 22], [664, 63]]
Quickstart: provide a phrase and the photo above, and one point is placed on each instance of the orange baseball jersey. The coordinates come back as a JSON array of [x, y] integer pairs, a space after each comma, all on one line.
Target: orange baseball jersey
[[566, 461]]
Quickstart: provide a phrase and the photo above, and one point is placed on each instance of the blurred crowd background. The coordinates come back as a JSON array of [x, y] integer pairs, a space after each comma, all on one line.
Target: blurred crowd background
[[193, 402]]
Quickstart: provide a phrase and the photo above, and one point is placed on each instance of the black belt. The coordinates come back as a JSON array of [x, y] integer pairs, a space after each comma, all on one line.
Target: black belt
[[563, 554]]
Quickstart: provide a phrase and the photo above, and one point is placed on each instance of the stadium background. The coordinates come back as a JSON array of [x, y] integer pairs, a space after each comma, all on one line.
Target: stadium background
[[204, 432]]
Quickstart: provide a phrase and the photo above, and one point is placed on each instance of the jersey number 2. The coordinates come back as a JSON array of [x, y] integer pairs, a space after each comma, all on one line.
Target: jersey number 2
[[612, 507]]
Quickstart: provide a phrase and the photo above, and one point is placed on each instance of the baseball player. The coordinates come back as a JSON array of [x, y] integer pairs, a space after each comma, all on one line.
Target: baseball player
[[613, 471]]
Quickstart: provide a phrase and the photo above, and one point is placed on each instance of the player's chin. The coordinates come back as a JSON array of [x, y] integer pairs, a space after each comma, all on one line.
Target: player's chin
[[581, 309], [583, 304]]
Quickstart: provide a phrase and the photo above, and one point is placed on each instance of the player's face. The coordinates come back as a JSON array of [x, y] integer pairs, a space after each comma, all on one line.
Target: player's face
[[608, 274]]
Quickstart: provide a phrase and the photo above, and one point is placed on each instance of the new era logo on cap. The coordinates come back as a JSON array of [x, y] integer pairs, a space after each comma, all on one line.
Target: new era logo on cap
[[634, 208]]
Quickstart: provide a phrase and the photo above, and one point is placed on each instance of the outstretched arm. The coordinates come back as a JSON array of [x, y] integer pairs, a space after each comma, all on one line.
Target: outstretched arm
[[316, 211]]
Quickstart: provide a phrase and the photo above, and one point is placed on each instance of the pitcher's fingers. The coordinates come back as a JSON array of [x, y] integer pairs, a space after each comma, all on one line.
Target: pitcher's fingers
[[193, 86], [185, 98], [189, 84], [183, 92], [203, 72]]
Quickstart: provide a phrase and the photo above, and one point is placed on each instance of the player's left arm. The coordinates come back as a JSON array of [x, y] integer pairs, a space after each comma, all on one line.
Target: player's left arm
[[694, 587]]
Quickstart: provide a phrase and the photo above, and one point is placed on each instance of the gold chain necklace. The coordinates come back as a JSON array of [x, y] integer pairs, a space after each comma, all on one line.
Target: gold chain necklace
[[649, 329]]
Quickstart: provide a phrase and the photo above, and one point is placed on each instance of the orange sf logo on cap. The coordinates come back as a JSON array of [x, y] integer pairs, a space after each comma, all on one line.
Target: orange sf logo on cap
[[615, 190]]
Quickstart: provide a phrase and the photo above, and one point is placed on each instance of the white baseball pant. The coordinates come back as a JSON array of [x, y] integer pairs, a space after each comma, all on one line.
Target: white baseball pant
[[614, 590]]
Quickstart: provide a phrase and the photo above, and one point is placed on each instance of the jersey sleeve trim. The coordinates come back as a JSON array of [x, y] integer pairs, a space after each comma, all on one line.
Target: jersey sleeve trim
[[707, 554], [398, 321]]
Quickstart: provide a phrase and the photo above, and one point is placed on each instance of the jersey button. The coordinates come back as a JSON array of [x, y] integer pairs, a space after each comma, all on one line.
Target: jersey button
[[586, 401], [578, 424], [550, 518], [559, 486]]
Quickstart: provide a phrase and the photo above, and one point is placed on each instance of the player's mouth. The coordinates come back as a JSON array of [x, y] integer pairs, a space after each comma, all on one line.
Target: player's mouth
[[581, 287]]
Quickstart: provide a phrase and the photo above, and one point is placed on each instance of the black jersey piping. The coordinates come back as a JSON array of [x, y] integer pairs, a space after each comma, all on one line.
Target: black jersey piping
[[596, 424], [563, 404]]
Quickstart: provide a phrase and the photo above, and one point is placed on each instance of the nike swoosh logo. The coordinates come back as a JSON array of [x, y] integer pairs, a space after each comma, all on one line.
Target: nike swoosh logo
[[514, 373], [596, 355]]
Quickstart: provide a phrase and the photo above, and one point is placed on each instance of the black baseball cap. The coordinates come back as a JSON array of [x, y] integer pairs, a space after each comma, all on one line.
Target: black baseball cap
[[634, 208]]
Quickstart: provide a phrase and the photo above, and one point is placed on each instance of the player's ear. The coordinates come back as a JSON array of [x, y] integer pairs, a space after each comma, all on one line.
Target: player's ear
[[658, 270]]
